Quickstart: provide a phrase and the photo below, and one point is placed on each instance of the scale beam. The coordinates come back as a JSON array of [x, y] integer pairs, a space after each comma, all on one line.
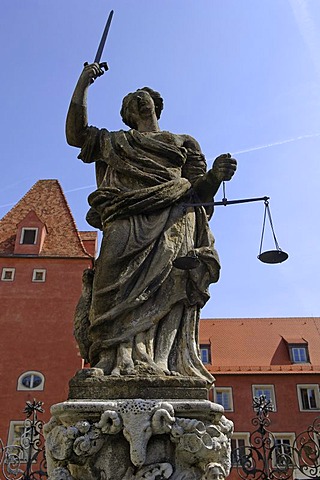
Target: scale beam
[[226, 202], [191, 261]]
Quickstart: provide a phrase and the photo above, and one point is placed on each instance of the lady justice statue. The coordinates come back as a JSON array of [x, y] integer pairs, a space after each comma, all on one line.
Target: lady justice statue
[[144, 311]]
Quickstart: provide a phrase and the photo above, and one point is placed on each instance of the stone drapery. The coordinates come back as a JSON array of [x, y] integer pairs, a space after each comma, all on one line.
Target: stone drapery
[[138, 296]]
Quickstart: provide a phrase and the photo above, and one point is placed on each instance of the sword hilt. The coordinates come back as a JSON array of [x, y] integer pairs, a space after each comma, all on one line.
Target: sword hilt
[[104, 65]]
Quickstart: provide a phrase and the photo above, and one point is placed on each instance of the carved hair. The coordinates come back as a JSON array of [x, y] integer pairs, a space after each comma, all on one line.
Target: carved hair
[[125, 111]]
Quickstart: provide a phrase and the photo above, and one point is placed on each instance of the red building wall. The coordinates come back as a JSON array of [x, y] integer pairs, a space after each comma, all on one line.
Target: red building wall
[[36, 317], [287, 417], [37, 332]]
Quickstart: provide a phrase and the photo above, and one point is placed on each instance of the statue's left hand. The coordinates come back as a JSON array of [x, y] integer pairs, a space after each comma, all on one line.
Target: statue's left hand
[[224, 167]]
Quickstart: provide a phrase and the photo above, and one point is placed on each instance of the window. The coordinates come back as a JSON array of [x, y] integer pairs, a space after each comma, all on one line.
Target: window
[[282, 451], [223, 396], [39, 275], [19, 440], [267, 391], [7, 274], [298, 350], [205, 353], [299, 354], [238, 447], [308, 397], [31, 381], [29, 236]]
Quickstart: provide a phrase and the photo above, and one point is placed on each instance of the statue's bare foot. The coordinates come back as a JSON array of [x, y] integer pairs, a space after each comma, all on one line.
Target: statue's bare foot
[[146, 368], [163, 367], [117, 371], [124, 363], [105, 363]]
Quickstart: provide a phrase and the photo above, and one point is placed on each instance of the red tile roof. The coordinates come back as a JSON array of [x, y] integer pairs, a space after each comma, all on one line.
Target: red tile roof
[[47, 200], [245, 345]]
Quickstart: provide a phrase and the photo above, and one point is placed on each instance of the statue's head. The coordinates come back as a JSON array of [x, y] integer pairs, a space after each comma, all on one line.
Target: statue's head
[[129, 102], [214, 471]]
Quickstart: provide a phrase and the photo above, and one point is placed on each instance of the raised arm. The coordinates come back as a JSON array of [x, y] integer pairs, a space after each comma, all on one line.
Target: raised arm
[[77, 118]]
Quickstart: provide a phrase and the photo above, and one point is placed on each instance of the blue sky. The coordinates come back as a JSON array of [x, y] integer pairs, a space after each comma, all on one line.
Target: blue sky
[[239, 76]]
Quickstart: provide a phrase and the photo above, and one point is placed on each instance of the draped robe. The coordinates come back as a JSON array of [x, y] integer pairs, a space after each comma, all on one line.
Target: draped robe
[[144, 186]]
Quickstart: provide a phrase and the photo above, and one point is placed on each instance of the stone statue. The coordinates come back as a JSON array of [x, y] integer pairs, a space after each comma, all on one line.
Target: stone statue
[[144, 311]]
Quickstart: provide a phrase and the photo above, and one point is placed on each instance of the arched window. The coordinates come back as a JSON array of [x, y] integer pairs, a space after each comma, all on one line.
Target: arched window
[[31, 381]]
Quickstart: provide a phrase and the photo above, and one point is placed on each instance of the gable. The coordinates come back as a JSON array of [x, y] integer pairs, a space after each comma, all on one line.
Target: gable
[[45, 207]]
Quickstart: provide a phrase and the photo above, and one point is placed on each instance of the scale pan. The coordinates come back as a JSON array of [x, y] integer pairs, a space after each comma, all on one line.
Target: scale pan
[[186, 263], [273, 256]]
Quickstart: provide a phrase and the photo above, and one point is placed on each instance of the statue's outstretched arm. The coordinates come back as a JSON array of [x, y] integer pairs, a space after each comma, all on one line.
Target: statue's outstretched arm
[[77, 118]]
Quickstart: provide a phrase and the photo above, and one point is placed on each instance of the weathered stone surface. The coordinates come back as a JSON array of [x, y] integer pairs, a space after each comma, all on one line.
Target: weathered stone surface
[[89, 384], [136, 439], [139, 311]]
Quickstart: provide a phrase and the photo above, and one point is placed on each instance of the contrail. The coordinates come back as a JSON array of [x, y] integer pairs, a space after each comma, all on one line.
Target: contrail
[[239, 152], [79, 188], [281, 142], [14, 184], [65, 191], [307, 27], [7, 205]]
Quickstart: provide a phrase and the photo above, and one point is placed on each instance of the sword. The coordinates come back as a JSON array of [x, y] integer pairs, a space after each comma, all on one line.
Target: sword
[[102, 43]]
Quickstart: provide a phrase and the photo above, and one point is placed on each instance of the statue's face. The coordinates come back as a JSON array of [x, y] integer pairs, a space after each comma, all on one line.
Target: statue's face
[[215, 474], [141, 105]]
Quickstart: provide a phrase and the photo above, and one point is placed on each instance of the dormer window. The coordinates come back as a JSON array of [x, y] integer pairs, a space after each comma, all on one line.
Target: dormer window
[[31, 233], [29, 236], [205, 354], [298, 350]]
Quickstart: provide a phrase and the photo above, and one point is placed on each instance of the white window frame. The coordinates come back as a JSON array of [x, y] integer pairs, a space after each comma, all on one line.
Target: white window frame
[[8, 270], [308, 386], [23, 230], [32, 373], [13, 440], [298, 349], [245, 436], [224, 391], [265, 387], [36, 271], [289, 437]]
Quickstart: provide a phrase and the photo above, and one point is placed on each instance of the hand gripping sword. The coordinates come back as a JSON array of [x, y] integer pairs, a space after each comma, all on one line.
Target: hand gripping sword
[[102, 43]]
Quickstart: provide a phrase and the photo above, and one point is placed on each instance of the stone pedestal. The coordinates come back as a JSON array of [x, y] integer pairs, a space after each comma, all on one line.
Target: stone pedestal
[[173, 432]]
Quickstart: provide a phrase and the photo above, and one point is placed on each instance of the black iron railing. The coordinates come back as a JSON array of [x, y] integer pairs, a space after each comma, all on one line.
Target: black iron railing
[[25, 460], [268, 457]]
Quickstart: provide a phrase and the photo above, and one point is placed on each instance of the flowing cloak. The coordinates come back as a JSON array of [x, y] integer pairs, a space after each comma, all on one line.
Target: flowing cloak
[[144, 183]]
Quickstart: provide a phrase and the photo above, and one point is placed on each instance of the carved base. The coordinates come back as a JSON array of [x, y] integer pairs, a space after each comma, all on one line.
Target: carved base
[[131, 439]]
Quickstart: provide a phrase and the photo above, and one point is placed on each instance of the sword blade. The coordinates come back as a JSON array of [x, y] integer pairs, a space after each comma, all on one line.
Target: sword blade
[[103, 39]]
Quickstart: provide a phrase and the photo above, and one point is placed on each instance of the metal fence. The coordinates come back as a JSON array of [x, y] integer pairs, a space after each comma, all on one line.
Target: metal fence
[[267, 457], [25, 458], [264, 458]]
